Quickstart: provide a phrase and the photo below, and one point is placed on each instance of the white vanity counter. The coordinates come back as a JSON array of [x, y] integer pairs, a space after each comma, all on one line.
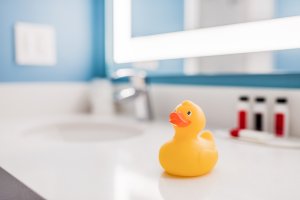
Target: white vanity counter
[[72, 168]]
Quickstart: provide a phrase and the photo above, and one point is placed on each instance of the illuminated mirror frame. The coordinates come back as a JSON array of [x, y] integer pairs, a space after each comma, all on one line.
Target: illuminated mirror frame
[[267, 35]]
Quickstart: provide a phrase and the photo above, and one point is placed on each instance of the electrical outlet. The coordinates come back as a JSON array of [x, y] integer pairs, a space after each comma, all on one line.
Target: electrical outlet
[[35, 44]]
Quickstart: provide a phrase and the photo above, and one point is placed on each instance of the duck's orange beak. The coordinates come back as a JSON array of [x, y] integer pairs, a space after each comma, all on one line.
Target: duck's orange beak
[[178, 119]]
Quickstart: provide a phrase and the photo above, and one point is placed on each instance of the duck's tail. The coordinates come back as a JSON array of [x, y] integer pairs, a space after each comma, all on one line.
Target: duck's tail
[[207, 135]]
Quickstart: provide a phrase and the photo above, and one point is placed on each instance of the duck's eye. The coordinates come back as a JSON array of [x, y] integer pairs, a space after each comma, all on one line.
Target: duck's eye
[[189, 113]]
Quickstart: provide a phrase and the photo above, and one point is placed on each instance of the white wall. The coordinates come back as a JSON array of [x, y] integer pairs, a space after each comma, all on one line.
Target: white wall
[[35, 99]]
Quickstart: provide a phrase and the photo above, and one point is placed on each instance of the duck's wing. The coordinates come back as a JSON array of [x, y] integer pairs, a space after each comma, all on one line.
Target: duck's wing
[[207, 135]]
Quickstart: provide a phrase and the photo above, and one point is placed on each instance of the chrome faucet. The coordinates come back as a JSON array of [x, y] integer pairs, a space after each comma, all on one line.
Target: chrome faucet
[[138, 92]]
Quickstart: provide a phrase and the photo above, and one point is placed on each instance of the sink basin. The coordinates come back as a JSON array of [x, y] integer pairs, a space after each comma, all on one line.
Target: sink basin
[[83, 131]]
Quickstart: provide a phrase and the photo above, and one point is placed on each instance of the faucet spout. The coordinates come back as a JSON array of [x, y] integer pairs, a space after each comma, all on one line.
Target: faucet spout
[[138, 92], [126, 94]]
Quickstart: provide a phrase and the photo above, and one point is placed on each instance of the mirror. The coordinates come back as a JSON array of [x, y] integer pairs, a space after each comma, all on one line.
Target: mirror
[[165, 16], [269, 43]]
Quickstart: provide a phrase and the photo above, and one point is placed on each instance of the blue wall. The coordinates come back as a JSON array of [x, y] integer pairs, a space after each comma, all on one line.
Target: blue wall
[[98, 38], [80, 44], [80, 26]]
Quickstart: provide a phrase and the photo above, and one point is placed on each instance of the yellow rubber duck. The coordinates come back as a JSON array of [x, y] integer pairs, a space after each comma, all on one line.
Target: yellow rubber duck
[[190, 152]]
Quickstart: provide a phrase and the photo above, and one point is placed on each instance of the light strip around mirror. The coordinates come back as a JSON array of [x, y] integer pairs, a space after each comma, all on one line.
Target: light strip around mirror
[[275, 34]]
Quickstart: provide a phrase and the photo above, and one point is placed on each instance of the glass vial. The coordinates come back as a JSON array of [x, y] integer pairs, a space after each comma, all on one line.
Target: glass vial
[[243, 109], [260, 114], [281, 117]]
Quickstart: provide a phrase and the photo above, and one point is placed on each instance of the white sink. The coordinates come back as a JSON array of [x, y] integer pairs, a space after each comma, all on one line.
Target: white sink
[[80, 131]]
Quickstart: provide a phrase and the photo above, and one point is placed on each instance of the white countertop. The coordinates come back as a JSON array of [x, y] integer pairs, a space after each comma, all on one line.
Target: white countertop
[[129, 169]]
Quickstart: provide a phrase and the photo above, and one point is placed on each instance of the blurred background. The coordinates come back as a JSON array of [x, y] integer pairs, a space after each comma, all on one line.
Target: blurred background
[[79, 28]]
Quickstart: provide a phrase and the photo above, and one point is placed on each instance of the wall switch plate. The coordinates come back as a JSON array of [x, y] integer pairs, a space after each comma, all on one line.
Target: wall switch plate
[[35, 44]]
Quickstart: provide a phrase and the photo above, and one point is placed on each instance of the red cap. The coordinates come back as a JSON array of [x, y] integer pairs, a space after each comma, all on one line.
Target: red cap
[[235, 132]]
